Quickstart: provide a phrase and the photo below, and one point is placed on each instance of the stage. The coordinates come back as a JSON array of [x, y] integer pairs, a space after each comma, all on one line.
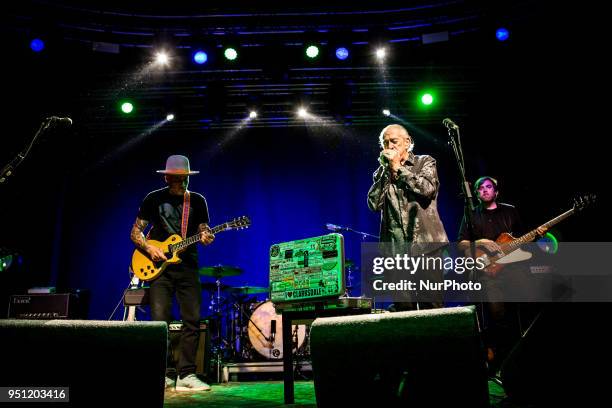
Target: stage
[[263, 394]]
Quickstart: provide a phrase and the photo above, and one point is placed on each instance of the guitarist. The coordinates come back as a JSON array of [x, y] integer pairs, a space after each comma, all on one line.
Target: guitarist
[[490, 220], [175, 210]]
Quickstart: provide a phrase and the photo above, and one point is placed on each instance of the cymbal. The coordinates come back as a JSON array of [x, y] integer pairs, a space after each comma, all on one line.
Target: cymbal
[[246, 290], [218, 271], [350, 264]]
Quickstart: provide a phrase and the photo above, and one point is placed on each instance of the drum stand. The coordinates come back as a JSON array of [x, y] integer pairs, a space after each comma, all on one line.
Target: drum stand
[[349, 280], [219, 342], [302, 354]]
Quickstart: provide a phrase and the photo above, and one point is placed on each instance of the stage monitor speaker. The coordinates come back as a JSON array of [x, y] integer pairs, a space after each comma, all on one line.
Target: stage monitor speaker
[[203, 354], [102, 363], [427, 358]]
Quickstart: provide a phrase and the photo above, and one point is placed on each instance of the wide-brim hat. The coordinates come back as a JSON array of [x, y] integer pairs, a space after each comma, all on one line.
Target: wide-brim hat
[[178, 165]]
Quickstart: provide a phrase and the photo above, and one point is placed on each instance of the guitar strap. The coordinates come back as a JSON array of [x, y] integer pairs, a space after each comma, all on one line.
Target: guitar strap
[[185, 217], [185, 220]]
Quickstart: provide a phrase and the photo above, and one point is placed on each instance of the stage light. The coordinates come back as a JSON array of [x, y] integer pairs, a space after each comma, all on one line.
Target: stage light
[[342, 53], [231, 54], [381, 53], [386, 112], [312, 51], [502, 34], [37, 45], [302, 112], [200, 57], [161, 58], [170, 117], [548, 243], [252, 114], [6, 262], [427, 99], [127, 107]]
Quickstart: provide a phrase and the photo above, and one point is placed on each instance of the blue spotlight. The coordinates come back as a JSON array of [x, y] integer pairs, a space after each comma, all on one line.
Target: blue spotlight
[[200, 57], [342, 53], [502, 34], [37, 45]]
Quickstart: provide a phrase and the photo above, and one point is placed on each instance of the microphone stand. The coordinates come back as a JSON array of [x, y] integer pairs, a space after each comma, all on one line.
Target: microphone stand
[[363, 234], [8, 170], [468, 204]]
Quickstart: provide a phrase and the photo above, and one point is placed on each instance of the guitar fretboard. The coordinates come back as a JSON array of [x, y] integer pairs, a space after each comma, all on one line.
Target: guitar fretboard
[[531, 235], [195, 238]]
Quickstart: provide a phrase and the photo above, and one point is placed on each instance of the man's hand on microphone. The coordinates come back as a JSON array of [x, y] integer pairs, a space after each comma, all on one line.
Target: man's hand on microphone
[[393, 158]]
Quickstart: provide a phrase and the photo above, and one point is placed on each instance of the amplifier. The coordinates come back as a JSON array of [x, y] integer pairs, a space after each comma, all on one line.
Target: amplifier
[[203, 354], [47, 306], [136, 297]]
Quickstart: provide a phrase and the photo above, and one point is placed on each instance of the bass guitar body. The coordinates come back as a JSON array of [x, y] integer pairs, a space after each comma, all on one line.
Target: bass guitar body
[[497, 263]]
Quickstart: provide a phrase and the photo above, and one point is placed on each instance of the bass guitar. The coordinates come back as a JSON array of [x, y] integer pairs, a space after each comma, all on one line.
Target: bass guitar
[[510, 246]]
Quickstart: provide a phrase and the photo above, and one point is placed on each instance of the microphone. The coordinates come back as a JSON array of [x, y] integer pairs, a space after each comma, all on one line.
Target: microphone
[[334, 227], [272, 330], [450, 124], [56, 119]]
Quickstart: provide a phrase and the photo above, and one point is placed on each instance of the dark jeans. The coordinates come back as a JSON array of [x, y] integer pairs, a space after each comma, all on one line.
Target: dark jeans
[[503, 300], [185, 282]]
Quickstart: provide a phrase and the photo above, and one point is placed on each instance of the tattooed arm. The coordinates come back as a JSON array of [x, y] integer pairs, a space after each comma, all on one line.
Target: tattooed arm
[[206, 236], [138, 238]]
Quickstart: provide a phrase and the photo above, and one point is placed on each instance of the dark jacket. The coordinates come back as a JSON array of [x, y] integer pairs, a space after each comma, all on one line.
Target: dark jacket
[[409, 213]]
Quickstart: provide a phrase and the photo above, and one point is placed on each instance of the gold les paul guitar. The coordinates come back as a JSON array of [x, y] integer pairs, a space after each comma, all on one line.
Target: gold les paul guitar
[[147, 269]]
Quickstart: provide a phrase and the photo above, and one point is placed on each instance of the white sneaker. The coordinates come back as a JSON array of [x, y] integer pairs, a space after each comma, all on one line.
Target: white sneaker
[[191, 383], [170, 383]]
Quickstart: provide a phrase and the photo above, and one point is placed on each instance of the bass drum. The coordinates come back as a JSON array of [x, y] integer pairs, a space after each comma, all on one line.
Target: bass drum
[[266, 319]]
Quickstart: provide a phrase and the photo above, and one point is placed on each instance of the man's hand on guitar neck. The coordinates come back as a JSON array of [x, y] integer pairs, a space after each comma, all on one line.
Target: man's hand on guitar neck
[[206, 235], [156, 253]]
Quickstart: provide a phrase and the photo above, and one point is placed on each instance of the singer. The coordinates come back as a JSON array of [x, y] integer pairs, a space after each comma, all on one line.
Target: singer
[[405, 189]]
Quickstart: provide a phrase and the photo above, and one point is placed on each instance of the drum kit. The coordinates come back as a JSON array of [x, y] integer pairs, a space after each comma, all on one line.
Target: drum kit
[[245, 328]]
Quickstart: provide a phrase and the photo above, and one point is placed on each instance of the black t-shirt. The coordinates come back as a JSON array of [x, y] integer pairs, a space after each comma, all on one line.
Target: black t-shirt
[[164, 211], [489, 224]]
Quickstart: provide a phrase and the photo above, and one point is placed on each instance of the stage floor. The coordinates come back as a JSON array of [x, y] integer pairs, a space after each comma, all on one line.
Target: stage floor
[[270, 394]]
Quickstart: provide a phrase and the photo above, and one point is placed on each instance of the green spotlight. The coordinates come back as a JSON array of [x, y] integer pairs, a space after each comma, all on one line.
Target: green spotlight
[[312, 51], [231, 54], [127, 107], [548, 243], [427, 99]]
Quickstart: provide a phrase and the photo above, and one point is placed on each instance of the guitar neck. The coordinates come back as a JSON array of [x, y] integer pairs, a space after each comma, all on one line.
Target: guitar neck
[[196, 238], [531, 235]]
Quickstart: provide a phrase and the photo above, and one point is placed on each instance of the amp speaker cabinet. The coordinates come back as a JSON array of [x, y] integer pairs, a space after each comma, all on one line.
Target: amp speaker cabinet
[[203, 355], [101, 363], [427, 358]]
